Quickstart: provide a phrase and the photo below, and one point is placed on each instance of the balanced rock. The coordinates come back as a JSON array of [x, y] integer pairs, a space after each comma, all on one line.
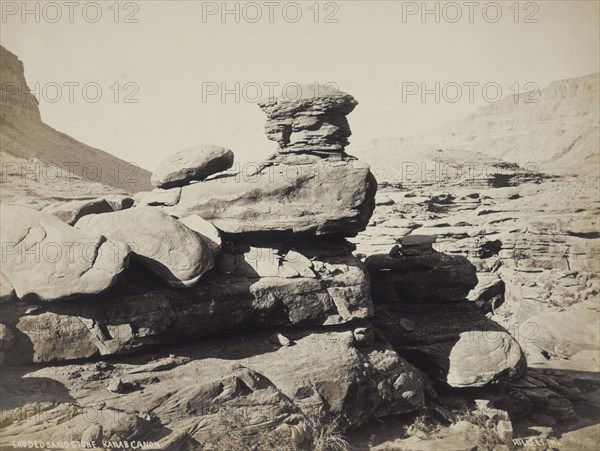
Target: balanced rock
[[209, 233], [171, 250], [311, 119], [44, 258], [422, 276], [320, 196], [197, 163]]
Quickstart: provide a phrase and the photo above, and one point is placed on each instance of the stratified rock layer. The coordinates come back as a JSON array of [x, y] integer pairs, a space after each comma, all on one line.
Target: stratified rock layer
[[430, 277], [313, 119], [139, 313]]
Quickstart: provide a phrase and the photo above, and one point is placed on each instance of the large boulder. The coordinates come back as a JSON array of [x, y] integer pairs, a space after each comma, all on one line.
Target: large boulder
[[455, 344], [172, 251], [141, 313], [196, 163], [46, 259], [311, 119], [317, 196]]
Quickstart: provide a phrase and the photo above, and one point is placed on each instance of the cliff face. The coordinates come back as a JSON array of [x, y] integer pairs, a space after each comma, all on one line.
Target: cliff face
[[17, 103], [554, 129], [24, 138]]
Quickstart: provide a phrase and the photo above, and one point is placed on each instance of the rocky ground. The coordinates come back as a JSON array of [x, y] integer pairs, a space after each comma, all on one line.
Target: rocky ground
[[534, 240], [302, 306]]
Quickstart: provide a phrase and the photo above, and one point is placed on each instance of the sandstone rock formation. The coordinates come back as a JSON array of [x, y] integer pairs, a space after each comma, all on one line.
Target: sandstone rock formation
[[276, 333], [138, 314], [454, 343], [197, 163], [316, 196], [71, 212], [313, 119], [172, 251], [46, 259]]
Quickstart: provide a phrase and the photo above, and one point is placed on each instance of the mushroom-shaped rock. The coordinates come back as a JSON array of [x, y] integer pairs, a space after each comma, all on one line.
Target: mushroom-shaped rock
[[309, 118]]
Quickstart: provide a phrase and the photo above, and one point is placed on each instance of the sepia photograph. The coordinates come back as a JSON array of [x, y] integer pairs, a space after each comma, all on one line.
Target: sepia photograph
[[312, 225]]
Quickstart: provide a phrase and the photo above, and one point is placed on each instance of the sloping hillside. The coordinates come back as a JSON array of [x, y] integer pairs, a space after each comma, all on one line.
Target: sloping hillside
[[25, 139], [554, 130]]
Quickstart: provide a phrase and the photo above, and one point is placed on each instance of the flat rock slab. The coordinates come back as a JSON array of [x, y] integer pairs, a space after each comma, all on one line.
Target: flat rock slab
[[318, 198], [46, 259], [426, 278]]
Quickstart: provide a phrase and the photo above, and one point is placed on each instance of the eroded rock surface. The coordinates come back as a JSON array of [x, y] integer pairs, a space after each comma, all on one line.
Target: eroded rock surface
[[172, 251], [44, 258]]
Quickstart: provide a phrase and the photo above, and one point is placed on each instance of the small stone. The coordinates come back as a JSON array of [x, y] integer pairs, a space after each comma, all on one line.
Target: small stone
[[383, 201], [417, 244], [363, 336], [116, 385], [280, 339], [505, 430], [407, 324]]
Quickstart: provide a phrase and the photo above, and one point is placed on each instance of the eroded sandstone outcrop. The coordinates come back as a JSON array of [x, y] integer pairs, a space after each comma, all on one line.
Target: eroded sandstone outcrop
[[46, 259]]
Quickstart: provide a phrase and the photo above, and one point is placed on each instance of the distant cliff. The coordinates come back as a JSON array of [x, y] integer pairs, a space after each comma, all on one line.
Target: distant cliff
[[555, 129], [23, 135]]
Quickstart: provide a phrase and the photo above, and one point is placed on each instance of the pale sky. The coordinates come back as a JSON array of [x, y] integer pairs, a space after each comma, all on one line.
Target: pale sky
[[171, 53]]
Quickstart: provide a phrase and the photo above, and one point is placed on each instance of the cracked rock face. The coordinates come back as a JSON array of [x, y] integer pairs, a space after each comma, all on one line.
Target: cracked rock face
[[46, 259], [311, 119], [171, 250]]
